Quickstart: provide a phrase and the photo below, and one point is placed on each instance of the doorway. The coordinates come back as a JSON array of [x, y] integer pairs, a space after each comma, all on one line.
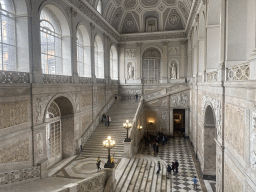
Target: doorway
[[179, 122]]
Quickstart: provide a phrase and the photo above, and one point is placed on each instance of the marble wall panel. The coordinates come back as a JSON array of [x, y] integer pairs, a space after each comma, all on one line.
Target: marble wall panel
[[232, 183], [13, 113], [17, 152], [86, 99], [235, 127]]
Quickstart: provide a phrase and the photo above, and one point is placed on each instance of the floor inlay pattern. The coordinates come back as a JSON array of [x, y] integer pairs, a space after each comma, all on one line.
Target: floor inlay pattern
[[177, 149]]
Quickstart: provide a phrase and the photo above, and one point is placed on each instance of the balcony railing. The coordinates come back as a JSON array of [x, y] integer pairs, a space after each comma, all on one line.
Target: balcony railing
[[151, 81], [239, 72], [57, 79], [85, 80], [14, 77]]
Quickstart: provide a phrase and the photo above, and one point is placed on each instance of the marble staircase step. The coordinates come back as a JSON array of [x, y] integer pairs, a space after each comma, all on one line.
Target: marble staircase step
[[124, 176], [140, 175], [145, 177]]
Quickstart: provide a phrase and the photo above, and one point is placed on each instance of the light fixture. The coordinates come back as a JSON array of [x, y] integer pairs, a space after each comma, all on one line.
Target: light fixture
[[140, 128], [151, 122], [109, 144], [127, 126]]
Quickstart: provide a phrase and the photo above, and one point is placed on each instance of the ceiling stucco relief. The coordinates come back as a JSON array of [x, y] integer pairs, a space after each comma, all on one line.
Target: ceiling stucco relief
[[118, 2], [130, 3], [183, 10], [170, 2], [117, 17], [174, 21], [149, 3], [129, 24]]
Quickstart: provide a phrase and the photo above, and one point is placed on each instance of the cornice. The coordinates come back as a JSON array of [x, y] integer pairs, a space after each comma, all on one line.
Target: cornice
[[154, 36]]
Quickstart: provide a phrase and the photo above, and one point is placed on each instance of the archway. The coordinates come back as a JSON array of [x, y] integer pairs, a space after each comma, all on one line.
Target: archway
[[209, 169], [59, 130]]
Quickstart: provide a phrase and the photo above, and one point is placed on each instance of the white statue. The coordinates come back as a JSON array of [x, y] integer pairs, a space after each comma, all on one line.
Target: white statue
[[173, 71], [130, 72]]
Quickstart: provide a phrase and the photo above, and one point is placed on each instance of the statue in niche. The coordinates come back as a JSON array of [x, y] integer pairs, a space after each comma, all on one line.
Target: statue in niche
[[173, 71], [130, 74]]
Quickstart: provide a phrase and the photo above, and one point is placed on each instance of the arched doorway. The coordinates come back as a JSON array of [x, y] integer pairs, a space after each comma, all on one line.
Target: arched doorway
[[209, 169], [59, 120]]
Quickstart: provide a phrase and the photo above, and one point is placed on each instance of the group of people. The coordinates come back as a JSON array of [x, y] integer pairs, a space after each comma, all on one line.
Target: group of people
[[106, 119], [174, 167]]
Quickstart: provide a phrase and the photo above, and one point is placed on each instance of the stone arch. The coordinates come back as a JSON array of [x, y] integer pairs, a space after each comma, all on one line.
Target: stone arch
[[151, 46], [60, 142], [177, 64], [210, 133]]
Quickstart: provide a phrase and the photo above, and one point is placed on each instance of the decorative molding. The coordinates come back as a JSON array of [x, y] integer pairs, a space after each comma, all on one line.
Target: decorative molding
[[14, 77], [96, 183], [130, 52], [139, 44], [165, 43], [70, 11], [212, 76], [41, 103]]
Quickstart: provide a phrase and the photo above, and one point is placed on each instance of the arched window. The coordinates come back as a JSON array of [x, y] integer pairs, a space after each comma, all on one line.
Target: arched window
[[98, 57], [11, 38], [55, 44], [83, 52], [151, 64], [99, 6], [113, 63]]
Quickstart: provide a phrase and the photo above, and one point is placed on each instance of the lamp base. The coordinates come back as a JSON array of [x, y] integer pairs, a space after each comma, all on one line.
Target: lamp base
[[127, 140], [109, 165]]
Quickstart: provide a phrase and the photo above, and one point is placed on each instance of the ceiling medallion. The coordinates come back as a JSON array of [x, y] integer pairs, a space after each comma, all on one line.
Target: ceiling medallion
[[161, 7], [139, 9], [174, 19], [129, 23]]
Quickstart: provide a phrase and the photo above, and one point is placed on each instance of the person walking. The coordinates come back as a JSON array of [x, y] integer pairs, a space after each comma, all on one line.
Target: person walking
[[109, 119], [173, 168], [106, 121], [159, 167], [80, 149], [136, 97], [195, 182], [98, 163], [154, 147], [169, 170], [176, 163], [115, 97], [157, 148]]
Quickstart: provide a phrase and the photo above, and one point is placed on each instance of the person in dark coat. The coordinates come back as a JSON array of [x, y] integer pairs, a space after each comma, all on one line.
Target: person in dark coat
[[159, 167], [173, 167], [169, 170], [154, 147], [157, 148], [136, 97], [116, 97], [176, 163]]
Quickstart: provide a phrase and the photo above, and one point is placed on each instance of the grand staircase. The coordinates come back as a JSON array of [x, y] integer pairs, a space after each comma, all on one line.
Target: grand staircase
[[119, 113], [139, 174]]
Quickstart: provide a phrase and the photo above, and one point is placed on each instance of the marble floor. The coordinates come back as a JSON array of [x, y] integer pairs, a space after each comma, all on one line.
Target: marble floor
[[179, 149]]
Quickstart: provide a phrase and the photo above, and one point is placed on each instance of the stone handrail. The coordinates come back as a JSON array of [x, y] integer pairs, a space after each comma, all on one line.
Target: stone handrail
[[239, 72], [133, 132], [95, 183], [85, 136]]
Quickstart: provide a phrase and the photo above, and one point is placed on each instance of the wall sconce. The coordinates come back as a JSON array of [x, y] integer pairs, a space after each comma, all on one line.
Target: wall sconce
[[140, 128], [151, 122]]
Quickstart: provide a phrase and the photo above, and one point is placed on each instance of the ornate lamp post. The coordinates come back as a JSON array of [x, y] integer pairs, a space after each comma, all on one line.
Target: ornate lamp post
[[109, 144], [127, 126]]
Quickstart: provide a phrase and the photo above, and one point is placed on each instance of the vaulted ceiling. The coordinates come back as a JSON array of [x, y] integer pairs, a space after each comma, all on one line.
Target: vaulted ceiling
[[129, 16]]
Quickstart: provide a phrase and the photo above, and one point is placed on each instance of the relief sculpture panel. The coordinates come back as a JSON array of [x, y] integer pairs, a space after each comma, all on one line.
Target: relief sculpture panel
[[180, 100], [235, 127]]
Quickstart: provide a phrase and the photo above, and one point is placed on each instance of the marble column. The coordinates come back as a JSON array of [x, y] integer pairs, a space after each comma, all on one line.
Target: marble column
[[139, 62], [164, 63], [122, 63], [183, 65], [92, 51]]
